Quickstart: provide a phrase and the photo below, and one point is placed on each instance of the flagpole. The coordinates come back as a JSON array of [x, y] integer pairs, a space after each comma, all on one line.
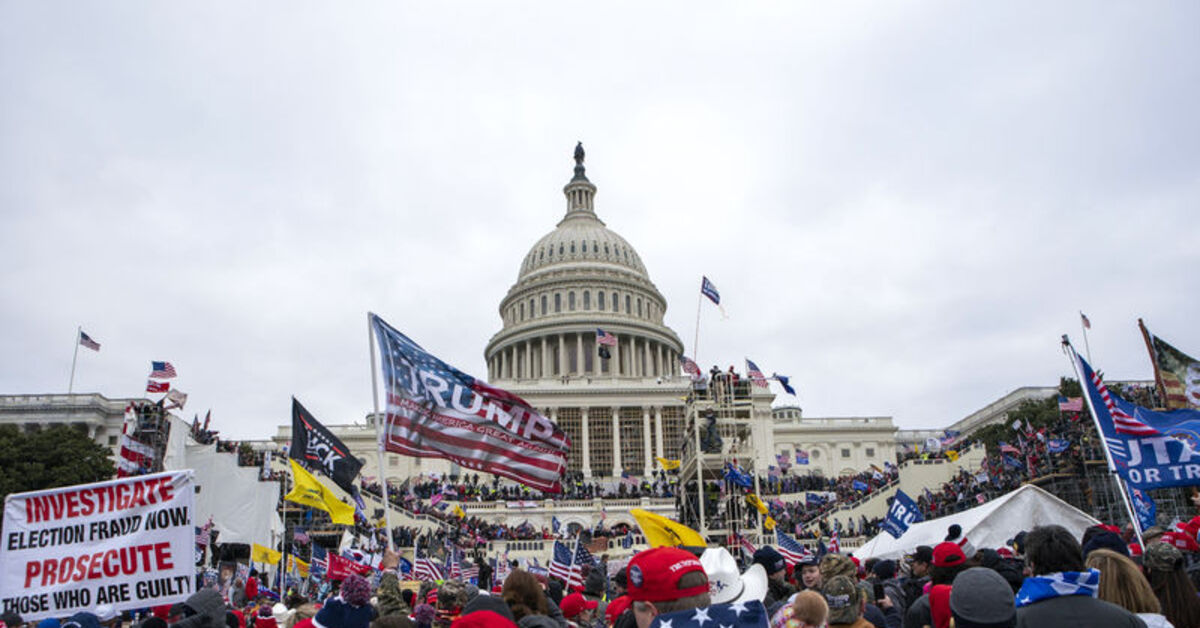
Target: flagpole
[[75, 358], [695, 340], [1112, 468], [387, 503], [1086, 346]]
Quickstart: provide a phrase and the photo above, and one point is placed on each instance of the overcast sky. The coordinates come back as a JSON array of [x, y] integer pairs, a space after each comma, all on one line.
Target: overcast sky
[[903, 205]]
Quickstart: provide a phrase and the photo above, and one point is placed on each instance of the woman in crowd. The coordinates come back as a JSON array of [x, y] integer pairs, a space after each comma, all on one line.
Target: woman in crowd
[[1164, 570], [1122, 583]]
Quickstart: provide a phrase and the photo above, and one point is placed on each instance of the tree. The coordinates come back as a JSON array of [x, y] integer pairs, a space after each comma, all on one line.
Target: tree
[[60, 455]]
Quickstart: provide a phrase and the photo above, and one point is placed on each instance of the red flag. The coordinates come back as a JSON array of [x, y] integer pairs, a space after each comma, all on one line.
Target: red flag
[[157, 387], [340, 567]]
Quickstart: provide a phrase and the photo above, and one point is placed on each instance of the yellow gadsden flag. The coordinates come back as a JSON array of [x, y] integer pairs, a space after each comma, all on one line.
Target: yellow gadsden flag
[[458, 511], [297, 566], [952, 455], [310, 492], [758, 504], [260, 554], [661, 531], [668, 465]]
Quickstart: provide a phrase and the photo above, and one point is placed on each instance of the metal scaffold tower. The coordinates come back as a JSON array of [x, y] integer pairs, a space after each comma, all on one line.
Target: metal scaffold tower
[[719, 435]]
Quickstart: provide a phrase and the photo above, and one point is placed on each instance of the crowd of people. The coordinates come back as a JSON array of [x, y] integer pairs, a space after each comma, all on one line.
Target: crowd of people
[[1047, 576]]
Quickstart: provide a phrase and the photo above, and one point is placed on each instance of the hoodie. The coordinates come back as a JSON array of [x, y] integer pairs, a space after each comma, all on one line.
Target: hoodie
[[209, 607]]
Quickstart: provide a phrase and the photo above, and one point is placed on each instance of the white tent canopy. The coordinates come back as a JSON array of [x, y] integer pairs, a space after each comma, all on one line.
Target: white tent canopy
[[986, 526]]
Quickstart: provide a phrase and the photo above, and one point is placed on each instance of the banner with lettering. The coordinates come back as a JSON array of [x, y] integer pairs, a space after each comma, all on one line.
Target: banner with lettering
[[903, 513], [127, 542]]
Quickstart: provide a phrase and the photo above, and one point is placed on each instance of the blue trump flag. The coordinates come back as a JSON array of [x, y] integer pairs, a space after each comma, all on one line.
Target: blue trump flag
[[1149, 449], [737, 476], [859, 485], [903, 513], [1144, 507]]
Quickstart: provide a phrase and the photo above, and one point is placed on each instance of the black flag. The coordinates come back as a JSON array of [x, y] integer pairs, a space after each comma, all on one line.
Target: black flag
[[604, 354], [319, 449]]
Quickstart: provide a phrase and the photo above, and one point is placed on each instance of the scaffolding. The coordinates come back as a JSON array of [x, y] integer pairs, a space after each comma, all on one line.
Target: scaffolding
[[718, 433]]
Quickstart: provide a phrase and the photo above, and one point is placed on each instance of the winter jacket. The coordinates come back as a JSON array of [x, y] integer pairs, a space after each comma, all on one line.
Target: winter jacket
[[210, 610], [1076, 610], [777, 591], [1154, 620], [918, 613]]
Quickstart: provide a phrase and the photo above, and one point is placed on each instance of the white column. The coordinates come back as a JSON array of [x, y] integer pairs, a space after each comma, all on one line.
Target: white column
[[562, 355], [658, 431], [646, 441], [616, 359], [579, 354], [503, 363], [662, 367], [587, 445], [616, 428], [635, 366], [648, 359], [528, 358]]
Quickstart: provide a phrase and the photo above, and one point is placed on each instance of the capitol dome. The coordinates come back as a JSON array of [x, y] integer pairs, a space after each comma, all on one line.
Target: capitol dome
[[580, 278]]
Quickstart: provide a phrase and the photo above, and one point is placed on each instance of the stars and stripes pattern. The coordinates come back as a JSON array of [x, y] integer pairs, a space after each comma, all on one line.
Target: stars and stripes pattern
[[792, 551], [204, 534], [1123, 423], [736, 615], [425, 568], [87, 341], [162, 370], [755, 374], [567, 568], [319, 559], [157, 387], [747, 547], [436, 411], [835, 545], [605, 338]]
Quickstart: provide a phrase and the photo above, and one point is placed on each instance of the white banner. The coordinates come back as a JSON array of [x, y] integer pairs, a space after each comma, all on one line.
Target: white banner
[[128, 542]]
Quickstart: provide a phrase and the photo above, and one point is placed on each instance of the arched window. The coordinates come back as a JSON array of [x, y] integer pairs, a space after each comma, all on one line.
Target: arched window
[[587, 300], [522, 311], [572, 247], [531, 310], [600, 300], [557, 302], [543, 305], [616, 303], [571, 301], [639, 308], [628, 310]]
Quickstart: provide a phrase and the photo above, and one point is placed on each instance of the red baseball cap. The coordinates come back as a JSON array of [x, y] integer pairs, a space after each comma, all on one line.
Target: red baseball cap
[[575, 604], [616, 607], [482, 619], [948, 554], [653, 575]]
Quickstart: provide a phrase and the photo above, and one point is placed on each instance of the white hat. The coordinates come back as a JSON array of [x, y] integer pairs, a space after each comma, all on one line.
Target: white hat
[[105, 612], [280, 612], [725, 584]]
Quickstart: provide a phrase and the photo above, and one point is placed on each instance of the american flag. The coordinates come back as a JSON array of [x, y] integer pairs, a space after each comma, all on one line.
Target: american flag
[[500, 569], [564, 568], [1123, 423], [470, 572], [445, 413], [835, 545], [628, 479], [204, 534], [605, 338], [87, 341], [1074, 404], [157, 387], [1087, 324], [454, 566], [162, 370], [792, 551], [425, 568], [300, 536], [756, 375]]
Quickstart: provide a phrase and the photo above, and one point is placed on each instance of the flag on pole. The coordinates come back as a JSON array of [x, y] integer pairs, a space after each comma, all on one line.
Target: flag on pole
[[309, 491], [835, 545], [667, 463], [792, 551], [320, 449], [801, 456], [157, 387], [262, 554], [1149, 449], [605, 338], [747, 547], [1074, 404], [87, 341], [691, 368], [162, 370], [425, 568], [756, 375], [1178, 373], [436, 411], [708, 289], [1087, 324], [783, 381], [563, 565], [177, 398]]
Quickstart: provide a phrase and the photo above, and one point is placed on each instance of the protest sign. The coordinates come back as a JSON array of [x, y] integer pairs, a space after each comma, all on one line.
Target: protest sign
[[127, 542], [903, 512]]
